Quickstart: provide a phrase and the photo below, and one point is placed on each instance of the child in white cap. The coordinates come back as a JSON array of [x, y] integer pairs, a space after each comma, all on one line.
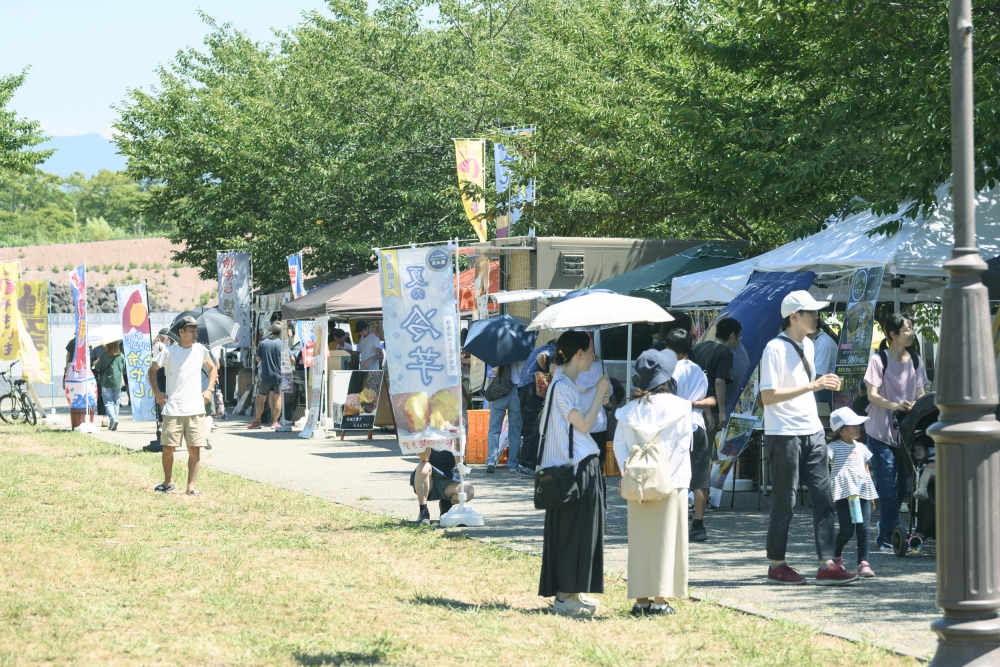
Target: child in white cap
[[852, 485]]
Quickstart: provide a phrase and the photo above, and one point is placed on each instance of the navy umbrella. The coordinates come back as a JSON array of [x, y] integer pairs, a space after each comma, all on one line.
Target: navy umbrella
[[499, 340], [214, 326]]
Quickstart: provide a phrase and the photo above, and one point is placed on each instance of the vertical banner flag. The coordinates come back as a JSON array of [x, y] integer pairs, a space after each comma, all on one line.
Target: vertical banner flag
[[469, 158], [421, 341], [234, 292], [481, 287], [319, 327], [81, 387], [520, 195], [33, 333], [133, 309], [9, 277], [295, 275], [856, 333], [306, 330]]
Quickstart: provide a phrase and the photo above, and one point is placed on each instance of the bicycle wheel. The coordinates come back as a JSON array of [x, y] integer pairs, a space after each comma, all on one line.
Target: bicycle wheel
[[28, 407], [10, 408]]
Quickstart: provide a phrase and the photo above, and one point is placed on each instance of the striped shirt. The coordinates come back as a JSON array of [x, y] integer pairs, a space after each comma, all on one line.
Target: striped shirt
[[565, 397], [849, 476]]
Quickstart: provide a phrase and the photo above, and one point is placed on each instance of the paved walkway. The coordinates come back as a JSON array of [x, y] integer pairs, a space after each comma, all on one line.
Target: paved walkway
[[896, 607]]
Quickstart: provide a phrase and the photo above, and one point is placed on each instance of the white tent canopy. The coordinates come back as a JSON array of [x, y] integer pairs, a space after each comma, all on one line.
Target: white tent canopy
[[915, 254]]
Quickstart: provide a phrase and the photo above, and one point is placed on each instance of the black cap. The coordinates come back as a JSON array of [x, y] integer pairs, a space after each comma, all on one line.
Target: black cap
[[186, 321], [164, 331]]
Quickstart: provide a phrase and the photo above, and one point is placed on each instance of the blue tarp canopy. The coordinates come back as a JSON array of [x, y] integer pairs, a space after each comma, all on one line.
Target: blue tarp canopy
[[652, 281]]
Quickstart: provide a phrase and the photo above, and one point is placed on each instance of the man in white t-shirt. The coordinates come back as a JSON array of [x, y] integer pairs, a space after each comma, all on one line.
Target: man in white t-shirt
[[796, 441], [369, 347], [692, 385], [184, 418]]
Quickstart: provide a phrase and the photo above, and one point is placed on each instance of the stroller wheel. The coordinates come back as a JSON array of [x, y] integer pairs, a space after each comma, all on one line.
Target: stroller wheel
[[900, 544]]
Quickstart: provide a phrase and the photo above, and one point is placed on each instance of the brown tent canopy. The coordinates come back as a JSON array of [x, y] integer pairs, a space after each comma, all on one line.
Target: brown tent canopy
[[357, 297]]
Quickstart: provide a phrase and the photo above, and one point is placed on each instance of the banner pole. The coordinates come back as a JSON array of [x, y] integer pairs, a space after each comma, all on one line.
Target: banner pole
[[52, 361]]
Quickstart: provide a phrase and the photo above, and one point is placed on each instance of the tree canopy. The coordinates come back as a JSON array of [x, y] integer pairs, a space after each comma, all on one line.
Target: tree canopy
[[657, 118], [17, 134]]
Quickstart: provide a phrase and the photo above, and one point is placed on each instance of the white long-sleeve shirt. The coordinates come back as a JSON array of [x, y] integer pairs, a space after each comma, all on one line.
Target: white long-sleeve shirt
[[663, 418]]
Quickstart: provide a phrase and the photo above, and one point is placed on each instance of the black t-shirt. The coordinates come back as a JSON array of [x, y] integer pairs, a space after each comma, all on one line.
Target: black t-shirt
[[716, 360], [444, 462], [269, 352]]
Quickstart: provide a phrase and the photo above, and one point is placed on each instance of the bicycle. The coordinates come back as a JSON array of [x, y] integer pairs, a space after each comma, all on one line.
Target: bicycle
[[16, 405]]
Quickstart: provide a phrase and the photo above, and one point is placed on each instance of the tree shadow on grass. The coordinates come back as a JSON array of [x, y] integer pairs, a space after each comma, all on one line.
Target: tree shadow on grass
[[448, 603], [339, 658], [374, 651]]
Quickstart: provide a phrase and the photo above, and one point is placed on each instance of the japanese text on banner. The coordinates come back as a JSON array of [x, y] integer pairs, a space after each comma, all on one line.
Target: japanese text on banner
[[9, 276], [234, 292], [421, 341], [133, 309], [33, 305]]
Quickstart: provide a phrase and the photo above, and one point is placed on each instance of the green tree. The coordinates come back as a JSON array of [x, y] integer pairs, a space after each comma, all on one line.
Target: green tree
[[17, 135]]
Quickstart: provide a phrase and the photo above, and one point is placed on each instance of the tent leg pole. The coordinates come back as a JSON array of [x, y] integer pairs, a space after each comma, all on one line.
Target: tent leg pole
[[628, 365]]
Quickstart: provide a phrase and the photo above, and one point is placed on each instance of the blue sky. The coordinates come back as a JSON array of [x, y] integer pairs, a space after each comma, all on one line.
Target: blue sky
[[84, 54]]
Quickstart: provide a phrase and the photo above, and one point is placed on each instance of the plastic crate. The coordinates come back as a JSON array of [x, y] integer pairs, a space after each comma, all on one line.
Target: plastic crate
[[611, 464], [477, 444]]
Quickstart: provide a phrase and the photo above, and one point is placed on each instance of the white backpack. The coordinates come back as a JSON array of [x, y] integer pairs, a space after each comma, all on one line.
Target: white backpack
[[648, 466]]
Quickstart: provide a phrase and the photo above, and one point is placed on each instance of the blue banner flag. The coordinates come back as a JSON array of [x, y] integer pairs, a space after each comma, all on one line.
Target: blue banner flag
[[420, 319], [295, 275], [758, 309], [502, 160]]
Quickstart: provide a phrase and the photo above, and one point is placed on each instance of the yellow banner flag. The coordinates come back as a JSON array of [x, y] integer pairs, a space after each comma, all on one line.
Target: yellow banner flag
[[391, 280], [9, 277], [33, 331], [469, 159]]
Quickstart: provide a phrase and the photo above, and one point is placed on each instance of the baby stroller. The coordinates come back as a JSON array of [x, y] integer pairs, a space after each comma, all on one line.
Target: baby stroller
[[916, 452]]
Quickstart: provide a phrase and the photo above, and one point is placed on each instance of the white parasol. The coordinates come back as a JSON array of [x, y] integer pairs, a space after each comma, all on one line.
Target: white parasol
[[598, 310]]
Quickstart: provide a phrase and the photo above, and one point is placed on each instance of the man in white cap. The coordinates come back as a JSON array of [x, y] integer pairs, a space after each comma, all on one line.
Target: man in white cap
[[796, 441]]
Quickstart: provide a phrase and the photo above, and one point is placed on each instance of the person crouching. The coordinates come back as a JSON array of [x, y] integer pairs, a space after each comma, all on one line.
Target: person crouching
[[436, 478]]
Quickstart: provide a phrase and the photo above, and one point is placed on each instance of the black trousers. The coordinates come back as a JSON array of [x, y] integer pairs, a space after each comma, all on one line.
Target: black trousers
[[848, 528], [573, 543], [531, 413], [793, 457]]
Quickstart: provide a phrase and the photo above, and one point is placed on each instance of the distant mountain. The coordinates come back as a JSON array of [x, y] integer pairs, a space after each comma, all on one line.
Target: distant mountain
[[86, 153]]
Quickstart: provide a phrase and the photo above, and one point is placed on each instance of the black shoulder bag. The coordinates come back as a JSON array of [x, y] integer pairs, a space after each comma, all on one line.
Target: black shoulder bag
[[555, 487]]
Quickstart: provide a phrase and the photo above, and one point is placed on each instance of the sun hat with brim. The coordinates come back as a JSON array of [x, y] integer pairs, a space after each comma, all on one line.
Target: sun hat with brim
[[842, 417], [800, 300], [654, 367], [186, 321]]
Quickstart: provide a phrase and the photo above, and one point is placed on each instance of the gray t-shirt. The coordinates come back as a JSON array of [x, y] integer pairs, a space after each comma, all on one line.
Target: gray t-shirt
[[269, 352]]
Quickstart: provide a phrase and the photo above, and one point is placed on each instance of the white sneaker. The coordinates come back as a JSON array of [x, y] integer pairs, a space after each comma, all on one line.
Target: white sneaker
[[886, 549], [904, 508], [921, 493], [588, 600], [574, 606]]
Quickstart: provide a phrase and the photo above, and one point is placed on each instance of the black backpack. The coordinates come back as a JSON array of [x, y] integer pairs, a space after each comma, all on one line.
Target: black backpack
[[860, 403]]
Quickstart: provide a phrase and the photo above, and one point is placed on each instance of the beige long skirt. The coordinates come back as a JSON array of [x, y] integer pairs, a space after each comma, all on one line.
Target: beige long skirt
[[658, 547]]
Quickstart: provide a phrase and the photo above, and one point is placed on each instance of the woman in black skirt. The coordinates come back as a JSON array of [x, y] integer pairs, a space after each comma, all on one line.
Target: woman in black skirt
[[573, 545]]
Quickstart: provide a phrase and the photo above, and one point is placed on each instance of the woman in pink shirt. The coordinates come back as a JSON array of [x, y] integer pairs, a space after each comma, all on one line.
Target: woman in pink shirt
[[895, 379]]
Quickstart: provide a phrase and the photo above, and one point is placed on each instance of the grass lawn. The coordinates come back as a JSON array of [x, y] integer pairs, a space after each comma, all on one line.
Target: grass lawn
[[97, 568]]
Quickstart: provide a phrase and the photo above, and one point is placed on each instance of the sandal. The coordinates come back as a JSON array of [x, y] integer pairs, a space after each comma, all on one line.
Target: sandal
[[164, 489], [194, 492]]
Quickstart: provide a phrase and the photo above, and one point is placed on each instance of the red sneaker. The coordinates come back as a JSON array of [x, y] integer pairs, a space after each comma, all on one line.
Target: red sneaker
[[784, 575], [276, 425], [834, 575], [253, 425]]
